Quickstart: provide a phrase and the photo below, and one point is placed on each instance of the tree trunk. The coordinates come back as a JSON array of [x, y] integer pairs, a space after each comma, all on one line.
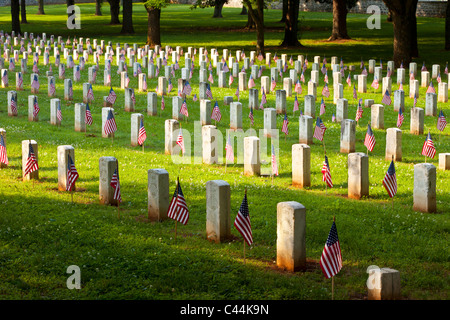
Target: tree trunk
[[218, 9], [257, 16], [115, 10], [244, 10], [339, 20], [291, 25], [15, 16], [127, 17], [23, 11], [250, 23], [389, 16], [40, 7], [284, 11], [98, 7], [153, 29], [405, 30], [447, 27]]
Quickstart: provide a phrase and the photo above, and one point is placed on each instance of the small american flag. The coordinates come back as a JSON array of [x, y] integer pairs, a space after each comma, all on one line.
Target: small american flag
[[194, 98], [369, 140], [333, 118], [32, 164], [446, 68], [263, 97], [285, 128], [210, 67], [112, 96], [62, 71], [274, 162], [355, 95], [210, 78], [251, 82], [70, 90], [20, 81], [72, 174], [142, 134], [411, 75], [431, 88], [35, 67], [180, 140], [326, 175], [216, 115], [242, 222], [225, 68], [144, 84], [90, 93], [230, 80], [259, 72], [3, 154], [325, 79], [170, 86], [59, 113], [325, 91], [178, 209], [191, 73], [133, 97], [291, 61], [359, 112], [349, 80], [302, 77], [273, 84], [163, 105], [14, 105], [285, 67], [209, 92], [35, 107], [324, 68], [386, 98], [88, 115], [12, 65], [115, 183], [400, 118], [127, 80], [415, 100], [260, 56], [438, 79], [400, 87], [35, 83], [375, 83], [110, 123], [424, 68], [187, 89], [229, 151], [183, 109], [319, 130], [77, 73], [389, 72], [361, 66], [428, 149], [441, 122], [390, 180], [322, 107], [364, 72], [296, 104], [250, 115], [298, 87], [156, 71], [306, 61], [331, 259], [275, 58]]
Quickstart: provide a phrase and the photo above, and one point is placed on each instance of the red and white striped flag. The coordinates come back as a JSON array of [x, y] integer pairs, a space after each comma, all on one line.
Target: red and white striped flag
[[296, 104], [325, 91], [390, 180], [285, 127], [110, 123], [180, 140], [386, 98], [331, 259], [441, 122], [59, 113], [273, 85], [319, 129], [178, 209], [369, 140], [142, 136], [298, 87], [274, 162], [35, 107], [13, 105], [322, 107], [400, 118], [229, 151], [428, 149], [3, 154], [242, 222], [88, 115], [326, 174], [32, 164], [216, 115], [375, 83], [183, 109], [251, 82], [250, 115], [230, 80], [359, 112], [72, 174], [115, 183], [163, 105]]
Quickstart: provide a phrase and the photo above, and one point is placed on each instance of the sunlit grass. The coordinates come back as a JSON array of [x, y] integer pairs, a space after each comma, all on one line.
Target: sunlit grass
[[42, 232]]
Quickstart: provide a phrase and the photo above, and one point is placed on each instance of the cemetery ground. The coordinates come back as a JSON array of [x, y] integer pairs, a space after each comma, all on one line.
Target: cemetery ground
[[42, 232]]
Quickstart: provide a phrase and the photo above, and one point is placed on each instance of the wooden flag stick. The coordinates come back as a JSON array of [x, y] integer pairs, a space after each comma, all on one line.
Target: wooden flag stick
[[176, 215], [244, 251], [332, 278], [71, 194], [118, 209]]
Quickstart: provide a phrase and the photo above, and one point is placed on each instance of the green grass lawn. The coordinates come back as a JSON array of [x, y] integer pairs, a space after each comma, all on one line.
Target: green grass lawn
[[42, 232]]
